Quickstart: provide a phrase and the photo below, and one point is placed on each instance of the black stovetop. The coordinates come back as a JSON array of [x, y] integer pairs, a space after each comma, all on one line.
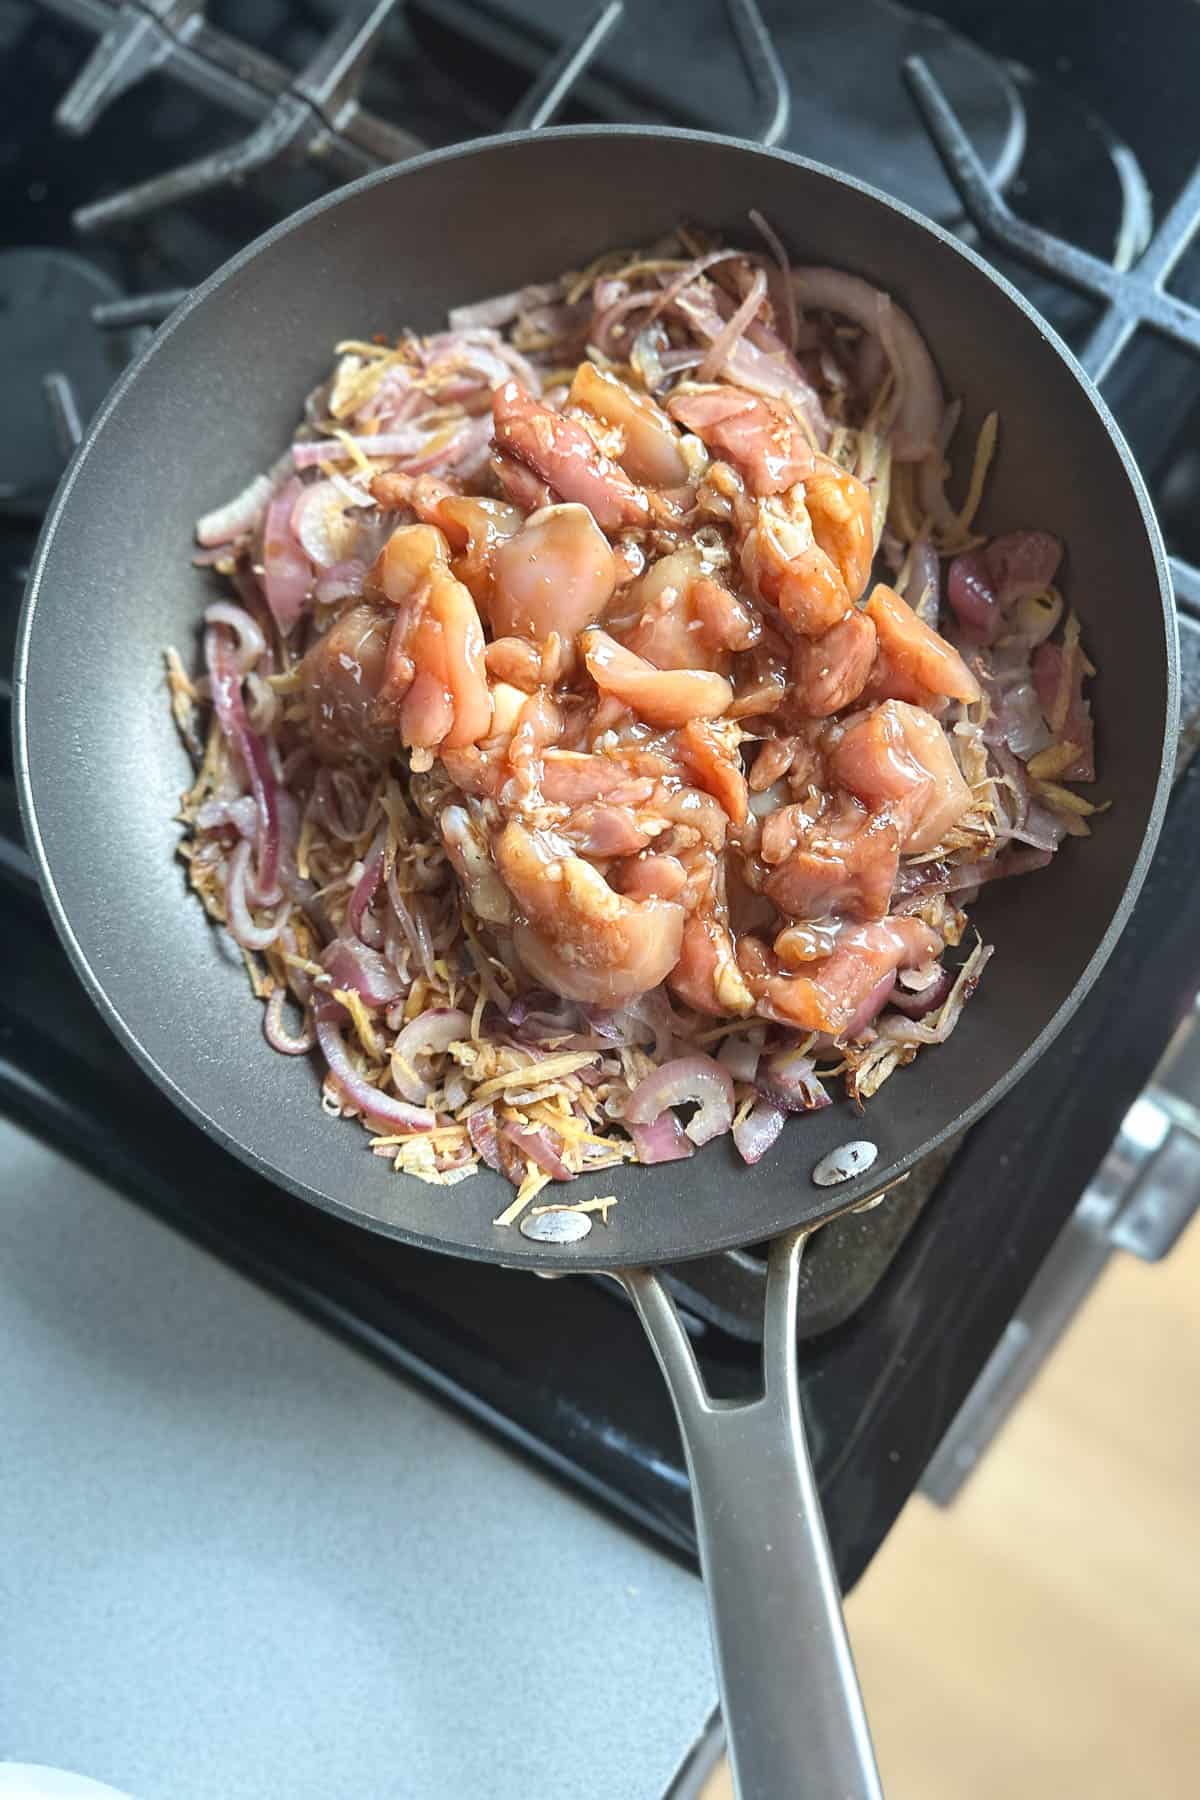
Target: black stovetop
[[902, 1305]]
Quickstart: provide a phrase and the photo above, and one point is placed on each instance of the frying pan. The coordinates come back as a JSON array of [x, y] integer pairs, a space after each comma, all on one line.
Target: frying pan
[[211, 401]]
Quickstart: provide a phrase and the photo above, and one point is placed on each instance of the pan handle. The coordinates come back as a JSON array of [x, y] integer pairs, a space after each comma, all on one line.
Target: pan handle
[[794, 1715]]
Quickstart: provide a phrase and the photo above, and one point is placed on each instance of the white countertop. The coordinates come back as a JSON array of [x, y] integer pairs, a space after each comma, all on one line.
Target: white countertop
[[240, 1562]]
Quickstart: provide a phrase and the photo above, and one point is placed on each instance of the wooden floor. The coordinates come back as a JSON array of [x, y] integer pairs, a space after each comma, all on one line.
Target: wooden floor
[[1041, 1639]]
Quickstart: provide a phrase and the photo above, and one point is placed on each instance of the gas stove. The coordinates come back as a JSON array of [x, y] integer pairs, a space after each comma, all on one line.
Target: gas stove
[[143, 143]]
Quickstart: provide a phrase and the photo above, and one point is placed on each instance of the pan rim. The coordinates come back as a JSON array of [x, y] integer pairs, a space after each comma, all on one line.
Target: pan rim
[[520, 1251]]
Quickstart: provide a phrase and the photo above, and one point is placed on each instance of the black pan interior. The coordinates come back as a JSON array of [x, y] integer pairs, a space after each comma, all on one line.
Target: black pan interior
[[213, 401]]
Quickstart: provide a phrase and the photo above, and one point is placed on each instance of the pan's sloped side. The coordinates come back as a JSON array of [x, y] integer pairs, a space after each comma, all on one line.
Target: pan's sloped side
[[212, 402]]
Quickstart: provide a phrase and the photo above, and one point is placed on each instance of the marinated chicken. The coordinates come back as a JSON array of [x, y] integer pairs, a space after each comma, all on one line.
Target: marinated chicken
[[588, 736]]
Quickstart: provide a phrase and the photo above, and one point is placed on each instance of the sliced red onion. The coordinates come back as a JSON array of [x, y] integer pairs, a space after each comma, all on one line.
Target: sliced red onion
[[995, 868], [408, 441], [755, 1134], [481, 1129], [340, 580], [354, 965], [365, 889], [277, 1034], [429, 1034], [775, 373], [539, 1013], [645, 357], [241, 813], [538, 1146], [251, 644], [652, 1016], [1016, 721], [921, 402], [237, 911], [1078, 726], [287, 576], [872, 1006], [237, 516], [380, 1109], [412, 923], [722, 346], [226, 688], [663, 1140], [1041, 829], [316, 515], [500, 309], [973, 597], [923, 587], [740, 1052], [687, 1078], [338, 805], [789, 1079], [924, 1000], [781, 291], [1022, 563]]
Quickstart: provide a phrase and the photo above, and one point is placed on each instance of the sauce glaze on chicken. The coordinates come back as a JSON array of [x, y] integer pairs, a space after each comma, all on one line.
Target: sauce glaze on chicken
[[616, 715]]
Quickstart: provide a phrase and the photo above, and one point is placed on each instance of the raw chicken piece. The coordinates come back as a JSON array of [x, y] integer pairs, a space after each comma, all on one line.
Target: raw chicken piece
[[914, 663], [651, 451], [830, 994], [577, 936], [562, 454], [761, 438], [899, 757], [843, 867]]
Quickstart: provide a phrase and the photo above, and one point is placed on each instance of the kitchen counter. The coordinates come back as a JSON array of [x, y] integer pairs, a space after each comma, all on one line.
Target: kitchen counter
[[239, 1560]]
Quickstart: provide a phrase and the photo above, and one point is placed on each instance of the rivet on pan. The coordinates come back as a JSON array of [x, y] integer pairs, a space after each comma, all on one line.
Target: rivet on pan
[[879, 1196], [845, 1162], [557, 1226]]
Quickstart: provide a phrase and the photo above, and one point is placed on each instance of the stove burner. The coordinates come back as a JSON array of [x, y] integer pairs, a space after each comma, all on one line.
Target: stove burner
[[848, 104], [46, 301]]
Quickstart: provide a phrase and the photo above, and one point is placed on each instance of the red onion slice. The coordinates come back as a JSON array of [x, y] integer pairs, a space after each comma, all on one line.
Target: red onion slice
[[919, 419], [788, 1079], [365, 889], [740, 1052], [973, 597], [353, 966], [251, 644], [538, 1146], [871, 1006], [723, 345], [755, 1134], [688, 1078], [287, 576], [996, 868], [411, 921], [923, 589], [430, 1034], [663, 1140], [379, 1109], [1022, 563], [340, 580], [277, 1034], [237, 516], [316, 517], [481, 1129], [237, 910], [226, 687], [926, 999]]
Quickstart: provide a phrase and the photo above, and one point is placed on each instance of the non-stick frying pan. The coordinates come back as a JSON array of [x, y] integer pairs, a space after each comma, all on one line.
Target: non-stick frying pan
[[210, 402]]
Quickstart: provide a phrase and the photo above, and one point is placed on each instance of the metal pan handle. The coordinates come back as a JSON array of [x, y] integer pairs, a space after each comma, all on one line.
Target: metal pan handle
[[793, 1712]]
